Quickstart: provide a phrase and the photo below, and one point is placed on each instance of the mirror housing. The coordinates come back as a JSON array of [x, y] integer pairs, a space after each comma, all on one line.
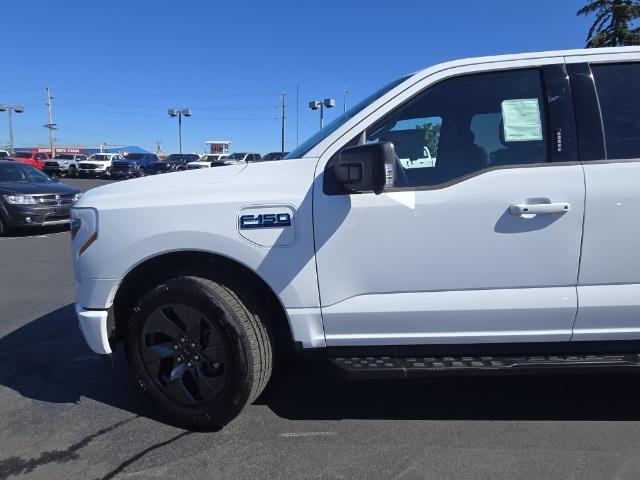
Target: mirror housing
[[367, 168]]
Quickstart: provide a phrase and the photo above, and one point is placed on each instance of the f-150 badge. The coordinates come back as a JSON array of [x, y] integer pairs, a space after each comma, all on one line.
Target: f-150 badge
[[265, 220]]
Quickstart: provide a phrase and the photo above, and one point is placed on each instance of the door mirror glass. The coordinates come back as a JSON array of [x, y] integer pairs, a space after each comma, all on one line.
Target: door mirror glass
[[366, 168]]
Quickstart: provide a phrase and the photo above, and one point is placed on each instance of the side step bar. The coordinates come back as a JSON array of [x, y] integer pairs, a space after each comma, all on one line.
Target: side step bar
[[413, 367]]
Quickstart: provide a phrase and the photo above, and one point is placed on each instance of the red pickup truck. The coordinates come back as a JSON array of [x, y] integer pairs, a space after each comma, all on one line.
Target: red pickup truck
[[35, 159]]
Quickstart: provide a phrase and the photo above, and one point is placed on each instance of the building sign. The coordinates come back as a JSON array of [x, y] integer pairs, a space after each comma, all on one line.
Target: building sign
[[59, 150]]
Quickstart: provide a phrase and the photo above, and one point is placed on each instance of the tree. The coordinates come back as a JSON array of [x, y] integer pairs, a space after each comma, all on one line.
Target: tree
[[431, 136], [613, 26]]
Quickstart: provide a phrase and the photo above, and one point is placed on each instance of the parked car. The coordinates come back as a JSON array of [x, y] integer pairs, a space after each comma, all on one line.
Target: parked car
[[98, 165], [134, 165], [30, 198], [63, 164], [208, 160], [511, 248], [274, 156], [35, 159], [174, 162], [240, 157]]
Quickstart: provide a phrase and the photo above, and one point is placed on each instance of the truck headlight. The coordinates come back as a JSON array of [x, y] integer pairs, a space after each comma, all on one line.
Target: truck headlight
[[84, 228], [21, 199]]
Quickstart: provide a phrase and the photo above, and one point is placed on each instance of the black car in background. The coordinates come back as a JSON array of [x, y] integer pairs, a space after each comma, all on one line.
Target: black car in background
[[175, 161], [30, 198], [274, 156], [134, 165]]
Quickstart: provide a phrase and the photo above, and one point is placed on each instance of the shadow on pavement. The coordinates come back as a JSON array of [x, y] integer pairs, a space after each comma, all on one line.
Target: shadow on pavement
[[314, 392], [47, 360]]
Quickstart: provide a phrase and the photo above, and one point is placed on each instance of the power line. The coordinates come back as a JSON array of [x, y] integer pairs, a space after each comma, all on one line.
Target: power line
[[131, 105], [178, 95], [147, 115]]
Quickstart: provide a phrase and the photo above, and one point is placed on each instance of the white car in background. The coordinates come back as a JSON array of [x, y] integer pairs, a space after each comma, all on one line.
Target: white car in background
[[98, 165], [207, 161]]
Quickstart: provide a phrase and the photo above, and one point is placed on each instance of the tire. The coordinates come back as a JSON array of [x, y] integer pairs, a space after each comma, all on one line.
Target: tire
[[72, 172], [198, 347], [141, 172]]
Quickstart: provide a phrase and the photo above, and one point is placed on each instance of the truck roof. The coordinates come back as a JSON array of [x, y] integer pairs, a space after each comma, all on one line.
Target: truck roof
[[531, 55]]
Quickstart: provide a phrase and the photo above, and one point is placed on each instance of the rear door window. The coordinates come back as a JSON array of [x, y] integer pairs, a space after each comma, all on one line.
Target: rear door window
[[618, 87]]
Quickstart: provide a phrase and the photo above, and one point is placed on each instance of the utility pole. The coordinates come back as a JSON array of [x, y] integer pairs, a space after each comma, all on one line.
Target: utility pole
[[297, 113], [158, 147], [51, 126], [344, 99], [284, 94]]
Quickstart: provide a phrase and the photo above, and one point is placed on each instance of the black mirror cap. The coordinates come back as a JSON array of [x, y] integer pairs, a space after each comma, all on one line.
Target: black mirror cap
[[366, 168]]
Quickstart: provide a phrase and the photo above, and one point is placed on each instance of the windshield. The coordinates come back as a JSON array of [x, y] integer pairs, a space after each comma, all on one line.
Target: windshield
[[17, 172], [236, 156], [64, 157], [99, 157], [172, 157], [134, 156], [342, 119], [22, 155]]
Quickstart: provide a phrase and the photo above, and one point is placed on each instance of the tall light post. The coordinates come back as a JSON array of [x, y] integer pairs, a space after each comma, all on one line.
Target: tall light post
[[11, 109], [179, 112], [321, 105]]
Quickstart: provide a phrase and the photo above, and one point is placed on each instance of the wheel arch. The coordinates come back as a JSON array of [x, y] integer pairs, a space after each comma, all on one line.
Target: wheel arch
[[167, 264]]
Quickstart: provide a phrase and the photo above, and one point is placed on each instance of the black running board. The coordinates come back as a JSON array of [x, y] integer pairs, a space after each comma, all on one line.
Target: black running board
[[414, 367]]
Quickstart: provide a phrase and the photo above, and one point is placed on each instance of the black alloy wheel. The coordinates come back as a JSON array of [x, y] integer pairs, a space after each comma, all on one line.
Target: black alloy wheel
[[184, 354], [199, 347]]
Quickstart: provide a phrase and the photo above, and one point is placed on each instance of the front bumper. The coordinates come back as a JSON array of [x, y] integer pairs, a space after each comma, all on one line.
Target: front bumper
[[37, 216], [93, 324], [55, 170], [123, 173]]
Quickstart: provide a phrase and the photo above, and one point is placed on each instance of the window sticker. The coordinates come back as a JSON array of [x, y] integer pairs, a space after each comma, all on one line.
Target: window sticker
[[521, 119]]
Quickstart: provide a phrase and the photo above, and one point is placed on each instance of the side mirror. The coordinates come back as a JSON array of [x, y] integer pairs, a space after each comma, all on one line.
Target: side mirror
[[367, 168]]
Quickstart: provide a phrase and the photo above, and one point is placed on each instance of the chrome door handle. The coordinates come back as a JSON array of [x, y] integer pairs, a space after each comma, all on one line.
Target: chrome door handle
[[539, 208]]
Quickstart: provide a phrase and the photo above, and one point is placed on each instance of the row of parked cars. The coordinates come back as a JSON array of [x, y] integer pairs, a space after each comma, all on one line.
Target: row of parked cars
[[114, 165]]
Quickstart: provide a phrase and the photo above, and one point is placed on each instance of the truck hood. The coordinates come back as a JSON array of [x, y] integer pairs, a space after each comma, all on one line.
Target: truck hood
[[167, 187]]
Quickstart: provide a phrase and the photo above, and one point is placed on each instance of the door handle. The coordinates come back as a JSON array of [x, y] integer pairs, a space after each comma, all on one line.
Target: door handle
[[539, 208]]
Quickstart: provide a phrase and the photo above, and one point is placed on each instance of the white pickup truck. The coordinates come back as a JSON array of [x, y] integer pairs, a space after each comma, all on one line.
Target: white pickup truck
[[98, 165], [479, 216]]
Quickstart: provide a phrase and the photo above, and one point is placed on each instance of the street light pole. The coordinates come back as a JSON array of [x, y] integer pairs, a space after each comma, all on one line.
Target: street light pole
[[10, 109], [11, 151], [321, 105], [179, 112], [180, 130]]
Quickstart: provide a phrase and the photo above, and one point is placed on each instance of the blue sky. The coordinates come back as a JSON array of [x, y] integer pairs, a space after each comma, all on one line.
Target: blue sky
[[115, 66]]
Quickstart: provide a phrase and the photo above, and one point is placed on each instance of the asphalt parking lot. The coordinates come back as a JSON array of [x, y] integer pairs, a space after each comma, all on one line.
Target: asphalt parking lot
[[62, 415]]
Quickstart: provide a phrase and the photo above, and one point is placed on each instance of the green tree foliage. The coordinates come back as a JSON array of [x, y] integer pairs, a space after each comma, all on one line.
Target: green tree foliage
[[614, 23], [431, 136]]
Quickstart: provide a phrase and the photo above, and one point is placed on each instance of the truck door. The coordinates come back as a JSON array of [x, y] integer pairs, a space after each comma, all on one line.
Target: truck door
[[607, 96], [479, 241]]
